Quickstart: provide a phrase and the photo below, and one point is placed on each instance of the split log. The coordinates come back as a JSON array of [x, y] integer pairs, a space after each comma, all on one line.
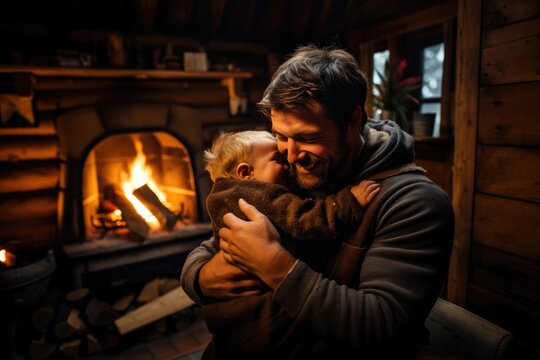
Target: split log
[[168, 284], [123, 303], [168, 304], [135, 223], [41, 349], [74, 320], [45, 311], [149, 292], [70, 349], [61, 329], [166, 218], [99, 313], [92, 345], [78, 297], [41, 318]]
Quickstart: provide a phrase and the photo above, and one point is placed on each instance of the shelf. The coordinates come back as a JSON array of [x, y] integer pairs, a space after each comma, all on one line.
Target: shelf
[[140, 74], [433, 139]]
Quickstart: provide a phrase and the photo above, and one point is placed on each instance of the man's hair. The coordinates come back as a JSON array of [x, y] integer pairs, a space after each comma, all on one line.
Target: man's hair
[[230, 149], [326, 76]]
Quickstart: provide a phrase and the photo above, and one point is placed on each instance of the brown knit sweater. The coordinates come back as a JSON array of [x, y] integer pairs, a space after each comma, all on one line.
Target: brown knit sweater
[[293, 216]]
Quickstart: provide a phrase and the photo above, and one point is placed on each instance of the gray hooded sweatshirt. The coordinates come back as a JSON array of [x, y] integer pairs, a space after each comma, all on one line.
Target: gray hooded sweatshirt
[[400, 278]]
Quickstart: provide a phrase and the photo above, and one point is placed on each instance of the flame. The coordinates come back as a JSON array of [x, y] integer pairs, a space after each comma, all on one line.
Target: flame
[[139, 175], [7, 258]]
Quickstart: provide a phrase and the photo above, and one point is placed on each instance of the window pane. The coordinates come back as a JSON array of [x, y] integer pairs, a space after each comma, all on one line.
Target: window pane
[[433, 59], [379, 59], [433, 108]]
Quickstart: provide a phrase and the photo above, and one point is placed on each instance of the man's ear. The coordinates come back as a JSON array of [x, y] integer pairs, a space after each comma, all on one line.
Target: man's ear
[[356, 119], [243, 171]]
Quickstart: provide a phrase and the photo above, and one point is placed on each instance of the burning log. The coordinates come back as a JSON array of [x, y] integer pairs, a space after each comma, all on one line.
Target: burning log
[[166, 218], [134, 221]]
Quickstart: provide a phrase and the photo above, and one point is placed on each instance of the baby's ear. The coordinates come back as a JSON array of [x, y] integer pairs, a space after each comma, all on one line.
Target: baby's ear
[[243, 171]]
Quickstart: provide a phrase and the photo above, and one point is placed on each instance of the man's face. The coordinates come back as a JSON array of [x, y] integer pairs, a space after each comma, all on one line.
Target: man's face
[[314, 146]]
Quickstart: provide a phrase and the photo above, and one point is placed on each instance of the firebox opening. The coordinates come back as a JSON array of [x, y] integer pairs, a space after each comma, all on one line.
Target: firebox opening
[[139, 185]]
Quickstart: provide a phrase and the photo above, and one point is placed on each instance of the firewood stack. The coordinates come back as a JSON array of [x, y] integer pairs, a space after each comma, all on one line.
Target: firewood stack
[[80, 324]]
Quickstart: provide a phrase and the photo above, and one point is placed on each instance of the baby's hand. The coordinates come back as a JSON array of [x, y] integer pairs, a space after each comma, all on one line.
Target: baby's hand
[[365, 191]]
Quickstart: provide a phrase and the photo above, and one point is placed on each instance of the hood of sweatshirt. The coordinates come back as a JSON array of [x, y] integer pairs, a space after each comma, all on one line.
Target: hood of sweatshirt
[[385, 146]]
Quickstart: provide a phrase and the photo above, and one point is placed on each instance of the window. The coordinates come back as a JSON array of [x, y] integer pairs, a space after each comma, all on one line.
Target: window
[[379, 59], [432, 77]]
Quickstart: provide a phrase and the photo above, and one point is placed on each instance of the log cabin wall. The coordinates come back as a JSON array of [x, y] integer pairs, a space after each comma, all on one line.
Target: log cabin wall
[[30, 161], [495, 269]]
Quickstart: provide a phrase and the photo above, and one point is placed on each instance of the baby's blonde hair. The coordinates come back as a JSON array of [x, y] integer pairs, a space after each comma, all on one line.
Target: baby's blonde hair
[[230, 149]]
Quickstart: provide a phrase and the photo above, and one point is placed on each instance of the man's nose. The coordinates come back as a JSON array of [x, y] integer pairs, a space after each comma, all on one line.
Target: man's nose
[[293, 151]]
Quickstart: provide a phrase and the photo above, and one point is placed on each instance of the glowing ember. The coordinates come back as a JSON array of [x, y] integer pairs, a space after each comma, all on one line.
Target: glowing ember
[[140, 174], [7, 258]]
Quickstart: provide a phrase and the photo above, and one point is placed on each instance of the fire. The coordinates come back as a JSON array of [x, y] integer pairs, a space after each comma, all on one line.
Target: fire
[[7, 258], [139, 175]]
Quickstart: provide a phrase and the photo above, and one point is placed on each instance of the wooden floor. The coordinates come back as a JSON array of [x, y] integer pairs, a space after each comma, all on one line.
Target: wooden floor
[[186, 344]]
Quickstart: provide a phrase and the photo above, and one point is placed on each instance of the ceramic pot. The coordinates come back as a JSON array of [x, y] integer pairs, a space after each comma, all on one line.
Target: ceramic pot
[[423, 124]]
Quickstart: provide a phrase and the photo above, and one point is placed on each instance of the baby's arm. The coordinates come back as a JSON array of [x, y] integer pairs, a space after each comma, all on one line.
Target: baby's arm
[[365, 191]]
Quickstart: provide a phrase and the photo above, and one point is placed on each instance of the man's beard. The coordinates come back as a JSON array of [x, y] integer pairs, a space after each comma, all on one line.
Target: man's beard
[[330, 168]]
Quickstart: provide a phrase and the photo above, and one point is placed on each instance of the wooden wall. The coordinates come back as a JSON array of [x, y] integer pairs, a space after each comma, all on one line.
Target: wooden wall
[[496, 261], [30, 165]]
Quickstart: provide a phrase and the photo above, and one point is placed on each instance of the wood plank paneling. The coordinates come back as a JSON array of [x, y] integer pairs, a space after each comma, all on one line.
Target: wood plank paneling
[[466, 113], [28, 206], [509, 171], [45, 127], [520, 319], [20, 148], [512, 61], [66, 100], [510, 274], [29, 176], [502, 12], [510, 114], [509, 33], [28, 236], [507, 225]]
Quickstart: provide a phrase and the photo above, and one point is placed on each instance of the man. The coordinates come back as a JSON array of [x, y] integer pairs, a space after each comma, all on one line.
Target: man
[[315, 102]]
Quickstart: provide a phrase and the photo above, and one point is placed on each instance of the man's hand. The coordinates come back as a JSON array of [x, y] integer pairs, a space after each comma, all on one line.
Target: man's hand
[[254, 245], [220, 280], [365, 191]]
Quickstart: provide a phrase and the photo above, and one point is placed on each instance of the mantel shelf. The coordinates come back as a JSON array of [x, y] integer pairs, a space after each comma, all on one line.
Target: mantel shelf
[[141, 74]]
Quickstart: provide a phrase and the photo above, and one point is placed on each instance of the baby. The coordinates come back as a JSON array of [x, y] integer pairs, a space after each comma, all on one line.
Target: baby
[[248, 165], [253, 155]]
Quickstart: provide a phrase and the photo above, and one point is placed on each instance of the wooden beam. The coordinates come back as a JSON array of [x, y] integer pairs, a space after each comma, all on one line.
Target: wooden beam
[[413, 21], [469, 17]]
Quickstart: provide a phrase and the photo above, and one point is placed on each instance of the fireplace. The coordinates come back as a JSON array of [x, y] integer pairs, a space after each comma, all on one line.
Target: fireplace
[[112, 154]]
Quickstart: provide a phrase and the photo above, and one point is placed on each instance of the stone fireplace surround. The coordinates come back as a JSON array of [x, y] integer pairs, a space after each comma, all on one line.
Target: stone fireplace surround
[[118, 262]]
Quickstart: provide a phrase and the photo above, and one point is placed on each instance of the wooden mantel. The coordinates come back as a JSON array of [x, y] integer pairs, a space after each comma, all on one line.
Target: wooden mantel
[[142, 74]]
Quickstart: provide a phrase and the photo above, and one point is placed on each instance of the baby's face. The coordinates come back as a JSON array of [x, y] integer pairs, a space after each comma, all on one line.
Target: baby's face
[[268, 164]]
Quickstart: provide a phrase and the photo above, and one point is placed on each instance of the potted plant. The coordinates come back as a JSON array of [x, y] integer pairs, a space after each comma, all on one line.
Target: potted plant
[[394, 92]]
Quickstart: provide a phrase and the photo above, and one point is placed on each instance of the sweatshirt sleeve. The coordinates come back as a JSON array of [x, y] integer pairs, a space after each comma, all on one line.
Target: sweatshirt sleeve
[[189, 277], [400, 278], [300, 218]]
